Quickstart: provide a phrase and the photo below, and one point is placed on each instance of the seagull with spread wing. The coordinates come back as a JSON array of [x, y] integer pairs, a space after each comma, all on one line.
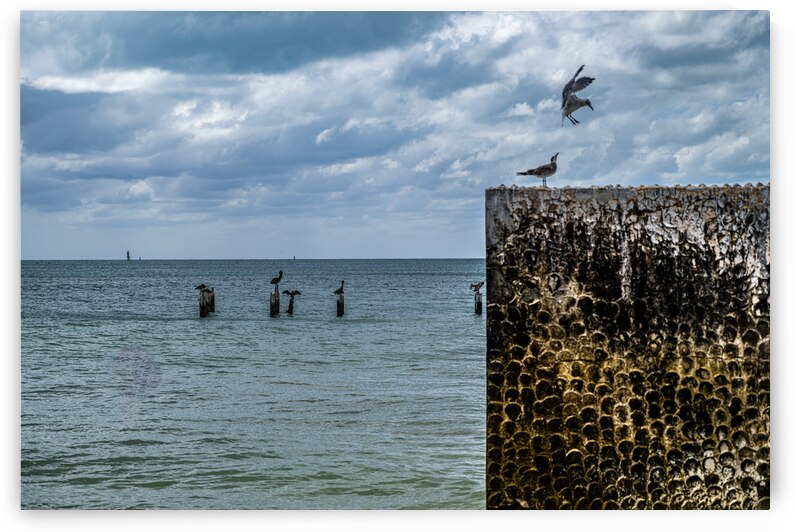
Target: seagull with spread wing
[[571, 102]]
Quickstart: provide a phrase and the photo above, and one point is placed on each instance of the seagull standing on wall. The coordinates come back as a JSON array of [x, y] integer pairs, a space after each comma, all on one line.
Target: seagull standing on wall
[[547, 170], [570, 102]]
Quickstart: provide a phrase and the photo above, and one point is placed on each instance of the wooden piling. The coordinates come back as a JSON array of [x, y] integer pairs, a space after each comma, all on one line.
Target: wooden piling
[[212, 299], [204, 303], [291, 303], [275, 304], [340, 304], [477, 303]]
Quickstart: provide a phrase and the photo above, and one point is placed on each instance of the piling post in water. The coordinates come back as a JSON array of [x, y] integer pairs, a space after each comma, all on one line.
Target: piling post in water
[[204, 303], [340, 299], [275, 304], [477, 296], [206, 300]]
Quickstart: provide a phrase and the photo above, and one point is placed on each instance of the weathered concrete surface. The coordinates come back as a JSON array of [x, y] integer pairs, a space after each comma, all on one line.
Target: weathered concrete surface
[[628, 347]]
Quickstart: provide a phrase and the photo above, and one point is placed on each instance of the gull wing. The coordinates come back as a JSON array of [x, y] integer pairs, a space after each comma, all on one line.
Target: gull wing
[[567, 88], [581, 83], [574, 85]]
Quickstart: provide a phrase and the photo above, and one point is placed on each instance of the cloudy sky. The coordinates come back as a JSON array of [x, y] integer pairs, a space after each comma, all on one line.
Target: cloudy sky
[[244, 135]]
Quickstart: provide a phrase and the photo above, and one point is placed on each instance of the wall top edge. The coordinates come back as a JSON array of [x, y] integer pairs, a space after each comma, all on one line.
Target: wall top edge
[[640, 187]]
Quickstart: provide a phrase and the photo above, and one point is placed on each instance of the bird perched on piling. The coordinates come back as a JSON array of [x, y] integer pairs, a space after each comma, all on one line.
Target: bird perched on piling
[[476, 286], [571, 102], [291, 295], [277, 280], [341, 289], [202, 286], [547, 170]]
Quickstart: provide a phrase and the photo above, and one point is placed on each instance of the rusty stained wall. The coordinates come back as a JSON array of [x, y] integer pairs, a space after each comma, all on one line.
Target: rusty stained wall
[[628, 347]]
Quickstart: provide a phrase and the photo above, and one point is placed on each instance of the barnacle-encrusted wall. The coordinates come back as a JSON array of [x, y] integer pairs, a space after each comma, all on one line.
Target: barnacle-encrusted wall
[[628, 347]]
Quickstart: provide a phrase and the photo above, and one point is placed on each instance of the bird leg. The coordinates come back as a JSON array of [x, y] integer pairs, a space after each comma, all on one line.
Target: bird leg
[[573, 120]]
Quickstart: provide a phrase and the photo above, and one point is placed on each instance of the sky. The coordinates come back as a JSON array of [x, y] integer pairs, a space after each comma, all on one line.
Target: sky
[[363, 135]]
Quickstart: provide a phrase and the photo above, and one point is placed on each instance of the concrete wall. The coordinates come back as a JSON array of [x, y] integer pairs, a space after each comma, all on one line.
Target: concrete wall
[[628, 347]]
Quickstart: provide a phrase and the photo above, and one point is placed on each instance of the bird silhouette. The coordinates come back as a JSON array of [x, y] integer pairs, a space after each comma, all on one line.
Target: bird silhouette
[[547, 170], [476, 286], [571, 102], [277, 280], [290, 306], [341, 289]]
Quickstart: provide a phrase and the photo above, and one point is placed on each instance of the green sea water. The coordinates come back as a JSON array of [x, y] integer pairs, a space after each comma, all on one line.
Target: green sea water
[[129, 400]]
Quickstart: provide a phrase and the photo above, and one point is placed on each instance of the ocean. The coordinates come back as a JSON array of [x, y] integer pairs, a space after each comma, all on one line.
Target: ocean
[[130, 401]]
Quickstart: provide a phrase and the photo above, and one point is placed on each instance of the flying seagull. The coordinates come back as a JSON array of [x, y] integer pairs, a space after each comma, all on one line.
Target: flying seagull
[[547, 170], [570, 102]]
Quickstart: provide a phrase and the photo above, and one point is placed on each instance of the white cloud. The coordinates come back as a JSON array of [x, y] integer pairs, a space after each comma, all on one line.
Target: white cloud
[[324, 135], [426, 164], [713, 154], [547, 103], [208, 121], [184, 109], [457, 169], [521, 109], [345, 168], [140, 189], [362, 123], [147, 79], [674, 29]]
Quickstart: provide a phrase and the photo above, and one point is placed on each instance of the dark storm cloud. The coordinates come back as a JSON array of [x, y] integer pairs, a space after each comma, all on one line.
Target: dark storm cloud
[[53, 121], [223, 42], [37, 104], [51, 194]]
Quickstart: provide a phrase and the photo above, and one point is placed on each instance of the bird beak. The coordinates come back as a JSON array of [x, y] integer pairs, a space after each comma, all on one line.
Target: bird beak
[[590, 106]]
